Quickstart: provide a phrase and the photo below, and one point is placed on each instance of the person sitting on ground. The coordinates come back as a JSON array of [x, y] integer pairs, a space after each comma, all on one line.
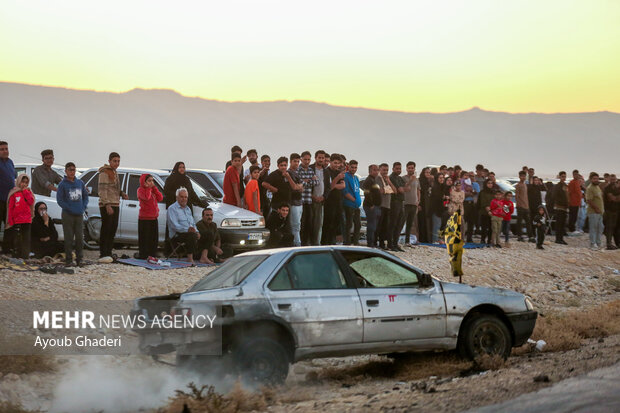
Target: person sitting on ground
[[540, 224], [181, 225], [208, 249], [281, 234], [43, 233], [44, 178], [20, 212]]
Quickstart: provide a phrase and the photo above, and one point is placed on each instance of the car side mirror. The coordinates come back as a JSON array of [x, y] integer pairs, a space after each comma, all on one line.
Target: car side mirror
[[425, 280]]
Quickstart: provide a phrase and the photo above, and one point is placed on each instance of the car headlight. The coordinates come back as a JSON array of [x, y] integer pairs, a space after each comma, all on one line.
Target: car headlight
[[261, 222], [528, 304], [231, 222]]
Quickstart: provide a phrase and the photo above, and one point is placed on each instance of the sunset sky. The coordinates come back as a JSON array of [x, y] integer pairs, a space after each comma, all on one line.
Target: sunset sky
[[417, 56]]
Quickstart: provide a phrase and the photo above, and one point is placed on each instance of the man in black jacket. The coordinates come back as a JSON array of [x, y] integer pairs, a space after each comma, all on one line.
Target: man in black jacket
[[279, 228], [560, 205]]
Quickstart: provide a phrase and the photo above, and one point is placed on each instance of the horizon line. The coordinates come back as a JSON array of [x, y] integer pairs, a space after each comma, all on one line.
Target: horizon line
[[137, 88]]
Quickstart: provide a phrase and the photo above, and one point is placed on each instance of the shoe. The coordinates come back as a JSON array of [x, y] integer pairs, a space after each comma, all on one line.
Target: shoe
[[520, 239], [383, 247], [594, 247], [105, 260], [611, 247], [562, 242], [539, 247], [497, 246], [532, 240], [398, 248]]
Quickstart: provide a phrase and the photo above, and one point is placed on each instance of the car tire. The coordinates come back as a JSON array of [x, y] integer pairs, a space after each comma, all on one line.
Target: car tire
[[485, 334], [261, 361], [92, 229]]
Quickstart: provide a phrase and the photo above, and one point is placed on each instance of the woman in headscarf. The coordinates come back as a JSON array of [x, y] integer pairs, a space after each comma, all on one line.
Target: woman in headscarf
[[176, 180], [44, 235], [19, 214]]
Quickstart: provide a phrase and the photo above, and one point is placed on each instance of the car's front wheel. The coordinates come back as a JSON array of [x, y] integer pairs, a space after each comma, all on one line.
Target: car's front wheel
[[261, 360], [485, 334]]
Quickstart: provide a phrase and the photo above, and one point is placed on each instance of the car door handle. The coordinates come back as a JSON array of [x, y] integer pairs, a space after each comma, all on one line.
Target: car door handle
[[132, 205], [284, 307], [372, 303]]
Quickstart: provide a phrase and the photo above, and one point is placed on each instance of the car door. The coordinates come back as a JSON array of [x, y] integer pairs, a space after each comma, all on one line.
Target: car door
[[130, 209], [312, 293], [394, 306]]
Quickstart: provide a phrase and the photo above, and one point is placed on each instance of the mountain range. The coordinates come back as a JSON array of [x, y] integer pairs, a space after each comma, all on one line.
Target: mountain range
[[155, 128]]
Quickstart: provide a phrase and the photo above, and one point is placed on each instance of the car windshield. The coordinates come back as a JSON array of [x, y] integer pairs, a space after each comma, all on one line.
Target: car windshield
[[505, 186], [197, 188], [219, 178], [231, 273]]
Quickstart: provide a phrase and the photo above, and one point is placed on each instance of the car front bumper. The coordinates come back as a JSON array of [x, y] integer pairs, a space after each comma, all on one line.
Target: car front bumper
[[244, 238], [522, 325]]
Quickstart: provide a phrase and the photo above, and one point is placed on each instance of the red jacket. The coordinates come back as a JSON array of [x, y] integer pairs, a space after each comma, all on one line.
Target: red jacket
[[149, 198], [20, 207], [502, 208]]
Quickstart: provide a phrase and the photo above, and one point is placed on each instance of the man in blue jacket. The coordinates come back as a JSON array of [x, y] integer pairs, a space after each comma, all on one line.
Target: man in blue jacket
[[7, 182], [352, 202], [72, 197]]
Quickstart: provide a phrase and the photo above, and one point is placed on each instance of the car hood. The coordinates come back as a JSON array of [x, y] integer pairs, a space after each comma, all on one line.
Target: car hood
[[228, 211], [455, 288]]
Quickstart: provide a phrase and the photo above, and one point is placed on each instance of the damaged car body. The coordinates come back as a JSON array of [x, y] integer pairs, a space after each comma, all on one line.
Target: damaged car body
[[277, 307]]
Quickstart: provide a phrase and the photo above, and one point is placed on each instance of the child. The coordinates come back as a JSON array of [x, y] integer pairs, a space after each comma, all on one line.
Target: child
[[72, 197], [20, 213], [148, 231], [508, 208], [252, 194], [497, 217], [540, 223]]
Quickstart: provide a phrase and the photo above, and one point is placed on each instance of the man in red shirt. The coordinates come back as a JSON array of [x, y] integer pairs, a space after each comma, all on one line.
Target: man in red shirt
[[575, 194], [232, 192]]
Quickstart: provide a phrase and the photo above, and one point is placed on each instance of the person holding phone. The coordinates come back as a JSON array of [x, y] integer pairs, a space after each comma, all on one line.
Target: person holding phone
[[44, 237]]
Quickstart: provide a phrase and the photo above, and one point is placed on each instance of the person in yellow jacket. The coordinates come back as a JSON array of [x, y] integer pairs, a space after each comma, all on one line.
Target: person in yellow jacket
[[454, 243]]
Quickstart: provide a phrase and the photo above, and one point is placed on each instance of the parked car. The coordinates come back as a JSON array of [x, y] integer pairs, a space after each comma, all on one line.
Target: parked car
[[26, 168], [239, 228], [281, 306]]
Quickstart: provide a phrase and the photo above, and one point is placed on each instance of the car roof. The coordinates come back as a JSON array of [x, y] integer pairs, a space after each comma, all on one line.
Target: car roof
[[206, 170], [136, 170], [274, 251]]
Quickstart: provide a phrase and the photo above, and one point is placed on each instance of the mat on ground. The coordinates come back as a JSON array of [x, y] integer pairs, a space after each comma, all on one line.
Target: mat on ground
[[174, 264]]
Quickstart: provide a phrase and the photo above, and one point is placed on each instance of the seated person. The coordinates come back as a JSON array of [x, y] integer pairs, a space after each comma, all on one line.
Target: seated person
[[281, 234], [208, 249], [181, 226], [43, 233]]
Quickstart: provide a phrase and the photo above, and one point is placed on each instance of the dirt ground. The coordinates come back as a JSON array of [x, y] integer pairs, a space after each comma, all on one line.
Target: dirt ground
[[559, 279]]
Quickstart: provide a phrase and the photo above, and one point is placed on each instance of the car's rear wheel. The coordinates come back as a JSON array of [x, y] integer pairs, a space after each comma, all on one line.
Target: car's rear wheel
[[485, 334], [261, 360], [92, 230]]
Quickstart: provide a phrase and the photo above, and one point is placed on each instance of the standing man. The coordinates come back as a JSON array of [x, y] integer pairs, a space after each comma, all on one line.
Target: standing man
[[575, 194], [253, 158], [296, 204], [611, 195], [265, 195], [44, 178], [334, 184], [109, 202], [396, 207], [534, 194], [596, 208], [280, 185], [372, 204], [309, 180], [72, 197], [352, 202], [232, 182], [233, 150], [412, 199], [387, 189], [471, 189], [7, 182], [560, 205], [318, 198], [523, 208]]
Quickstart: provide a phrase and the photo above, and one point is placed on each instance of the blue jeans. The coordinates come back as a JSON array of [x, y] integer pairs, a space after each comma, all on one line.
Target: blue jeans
[[372, 219], [436, 227], [296, 211], [595, 222]]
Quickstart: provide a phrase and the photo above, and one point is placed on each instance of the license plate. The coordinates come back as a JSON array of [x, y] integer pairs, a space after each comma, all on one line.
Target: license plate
[[255, 236]]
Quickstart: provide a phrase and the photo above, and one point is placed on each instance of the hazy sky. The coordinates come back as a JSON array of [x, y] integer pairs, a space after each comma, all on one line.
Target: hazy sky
[[439, 56]]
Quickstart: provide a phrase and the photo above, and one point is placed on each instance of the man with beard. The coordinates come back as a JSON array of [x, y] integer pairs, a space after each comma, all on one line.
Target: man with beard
[[396, 207], [412, 200], [318, 198], [209, 245], [265, 195], [334, 184], [253, 158]]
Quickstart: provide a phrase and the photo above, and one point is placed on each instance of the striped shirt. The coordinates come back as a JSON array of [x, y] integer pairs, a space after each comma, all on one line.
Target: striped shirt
[[307, 174]]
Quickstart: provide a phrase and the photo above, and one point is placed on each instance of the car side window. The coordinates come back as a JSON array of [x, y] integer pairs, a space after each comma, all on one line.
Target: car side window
[[281, 281], [315, 271], [206, 183], [376, 271], [19, 171], [93, 185], [132, 187], [87, 176]]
